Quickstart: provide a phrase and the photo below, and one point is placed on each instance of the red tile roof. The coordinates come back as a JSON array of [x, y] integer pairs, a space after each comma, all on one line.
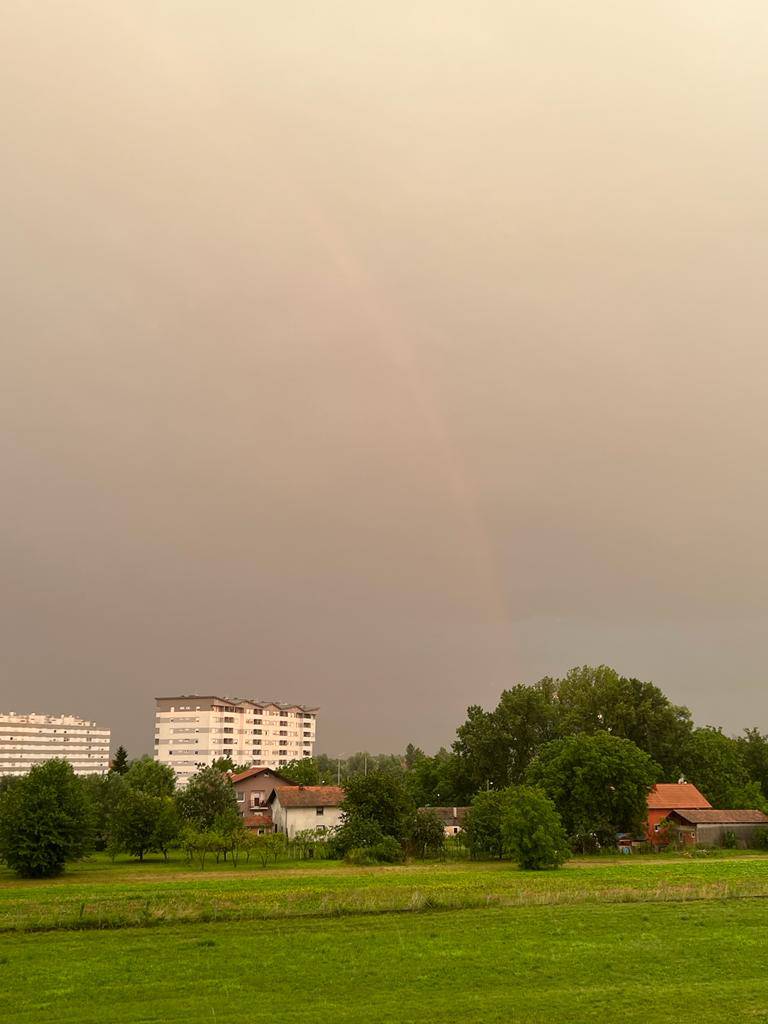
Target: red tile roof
[[709, 816], [257, 820], [310, 796], [669, 795]]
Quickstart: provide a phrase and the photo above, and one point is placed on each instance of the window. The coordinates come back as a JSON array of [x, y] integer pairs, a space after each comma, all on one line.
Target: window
[[319, 810], [240, 797]]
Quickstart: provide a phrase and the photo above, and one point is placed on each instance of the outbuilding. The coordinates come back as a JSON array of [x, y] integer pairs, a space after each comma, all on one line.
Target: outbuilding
[[708, 827]]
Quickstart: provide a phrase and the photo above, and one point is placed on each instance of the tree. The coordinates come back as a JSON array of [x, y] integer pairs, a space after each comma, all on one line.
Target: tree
[[167, 826], [482, 825], [146, 775], [207, 795], [599, 784], [715, 764], [439, 781], [600, 700], [120, 761], [303, 771], [45, 821], [198, 845], [412, 755], [272, 844], [104, 793], [532, 831], [754, 749], [426, 833], [497, 746], [229, 825], [382, 797], [135, 822]]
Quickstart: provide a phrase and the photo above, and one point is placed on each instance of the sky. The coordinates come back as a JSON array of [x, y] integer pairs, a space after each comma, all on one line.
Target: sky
[[382, 356]]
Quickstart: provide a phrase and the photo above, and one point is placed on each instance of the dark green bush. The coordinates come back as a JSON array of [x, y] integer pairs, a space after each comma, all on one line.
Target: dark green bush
[[388, 851]]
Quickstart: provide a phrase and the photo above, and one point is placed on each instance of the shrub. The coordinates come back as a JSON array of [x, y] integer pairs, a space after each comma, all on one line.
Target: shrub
[[532, 830], [354, 833], [730, 842], [760, 839], [426, 833], [388, 851]]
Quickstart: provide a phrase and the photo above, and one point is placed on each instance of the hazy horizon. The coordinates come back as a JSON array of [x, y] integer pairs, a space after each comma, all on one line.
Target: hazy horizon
[[382, 357]]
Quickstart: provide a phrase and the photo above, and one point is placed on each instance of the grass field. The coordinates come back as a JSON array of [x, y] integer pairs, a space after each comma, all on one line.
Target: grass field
[[326, 943]]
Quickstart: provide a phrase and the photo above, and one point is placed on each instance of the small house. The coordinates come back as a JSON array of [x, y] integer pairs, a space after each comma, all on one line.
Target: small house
[[296, 808], [451, 817]]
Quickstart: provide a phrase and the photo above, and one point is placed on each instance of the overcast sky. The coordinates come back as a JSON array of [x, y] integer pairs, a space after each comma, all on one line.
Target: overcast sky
[[382, 355]]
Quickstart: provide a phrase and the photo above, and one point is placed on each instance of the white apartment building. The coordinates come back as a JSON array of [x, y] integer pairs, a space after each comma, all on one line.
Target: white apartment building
[[27, 740], [192, 732]]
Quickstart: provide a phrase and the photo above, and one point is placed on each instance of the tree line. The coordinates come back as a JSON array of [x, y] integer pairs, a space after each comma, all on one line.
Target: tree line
[[495, 749], [557, 765]]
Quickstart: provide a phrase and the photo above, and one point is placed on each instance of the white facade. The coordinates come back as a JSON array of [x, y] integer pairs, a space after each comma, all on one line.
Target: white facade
[[27, 740], [192, 732], [312, 814]]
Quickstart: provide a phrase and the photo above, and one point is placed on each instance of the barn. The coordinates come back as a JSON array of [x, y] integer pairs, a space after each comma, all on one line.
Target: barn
[[707, 827]]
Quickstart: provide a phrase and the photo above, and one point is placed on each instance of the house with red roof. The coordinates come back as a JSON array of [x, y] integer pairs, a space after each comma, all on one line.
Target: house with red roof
[[252, 790], [666, 797], [297, 808]]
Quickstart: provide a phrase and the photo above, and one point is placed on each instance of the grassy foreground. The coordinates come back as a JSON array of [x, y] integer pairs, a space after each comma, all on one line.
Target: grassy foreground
[[102, 896], [528, 964], [417, 944]]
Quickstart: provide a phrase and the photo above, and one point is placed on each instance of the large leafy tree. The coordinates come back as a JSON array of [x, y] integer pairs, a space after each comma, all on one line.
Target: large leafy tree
[[599, 784], [45, 821], [381, 797], [532, 830], [208, 795], [151, 777], [716, 764], [483, 824], [497, 746], [104, 793], [144, 823], [754, 749], [303, 771], [600, 700], [439, 781]]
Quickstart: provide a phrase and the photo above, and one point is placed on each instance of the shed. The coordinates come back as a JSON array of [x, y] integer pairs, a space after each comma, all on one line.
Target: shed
[[707, 826]]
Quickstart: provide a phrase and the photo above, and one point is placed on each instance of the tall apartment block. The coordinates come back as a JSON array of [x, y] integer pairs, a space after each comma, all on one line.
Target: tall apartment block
[[192, 732], [27, 740]]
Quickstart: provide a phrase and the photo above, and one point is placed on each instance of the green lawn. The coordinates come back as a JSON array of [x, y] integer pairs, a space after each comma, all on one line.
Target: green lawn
[[101, 895], [628, 937], [592, 962]]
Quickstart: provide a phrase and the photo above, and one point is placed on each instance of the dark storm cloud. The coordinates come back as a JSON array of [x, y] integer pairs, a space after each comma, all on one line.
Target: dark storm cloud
[[380, 358]]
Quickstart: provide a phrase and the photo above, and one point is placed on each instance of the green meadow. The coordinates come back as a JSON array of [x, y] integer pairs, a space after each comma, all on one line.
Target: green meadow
[[420, 942]]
